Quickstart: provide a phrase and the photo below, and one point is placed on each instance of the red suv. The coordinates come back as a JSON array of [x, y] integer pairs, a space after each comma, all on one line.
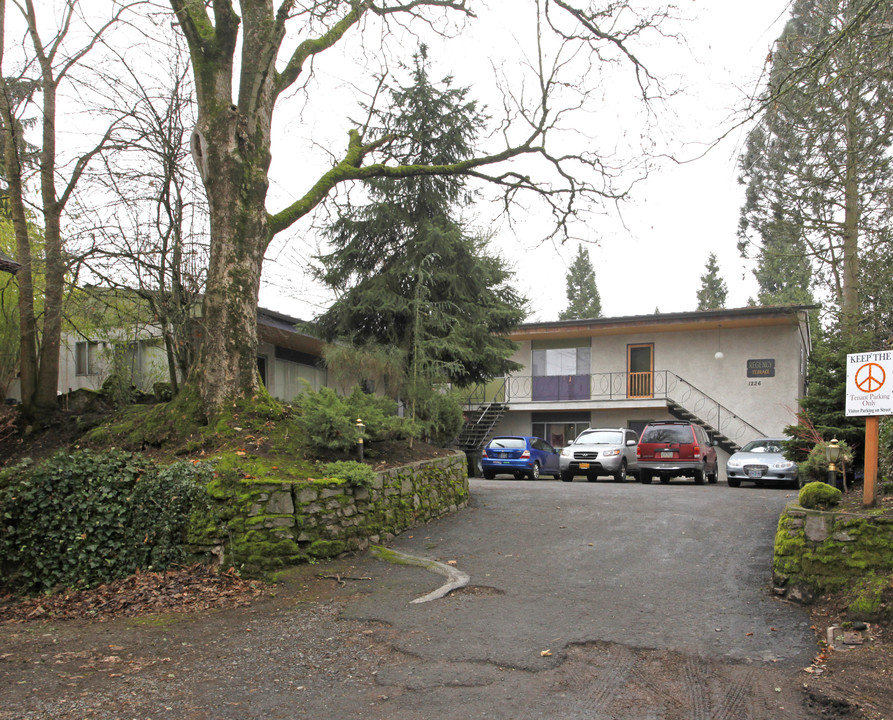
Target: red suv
[[674, 448]]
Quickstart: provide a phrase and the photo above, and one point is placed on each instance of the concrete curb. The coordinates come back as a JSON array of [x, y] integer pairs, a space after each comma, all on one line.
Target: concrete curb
[[456, 578]]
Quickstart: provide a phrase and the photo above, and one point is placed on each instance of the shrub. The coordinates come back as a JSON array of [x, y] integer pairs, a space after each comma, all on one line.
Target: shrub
[[440, 415], [325, 421], [351, 472], [328, 421], [819, 495], [885, 448], [379, 415], [815, 467], [88, 517]]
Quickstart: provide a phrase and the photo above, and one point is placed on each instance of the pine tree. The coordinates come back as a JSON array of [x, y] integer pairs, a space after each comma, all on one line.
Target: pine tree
[[409, 273], [713, 292], [818, 166], [583, 300]]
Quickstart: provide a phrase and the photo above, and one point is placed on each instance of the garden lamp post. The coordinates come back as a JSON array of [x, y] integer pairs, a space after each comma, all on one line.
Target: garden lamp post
[[360, 430], [832, 455]]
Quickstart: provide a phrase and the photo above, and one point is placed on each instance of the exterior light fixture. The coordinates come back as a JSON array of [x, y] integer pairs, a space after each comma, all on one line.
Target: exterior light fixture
[[719, 354], [361, 428], [832, 455]]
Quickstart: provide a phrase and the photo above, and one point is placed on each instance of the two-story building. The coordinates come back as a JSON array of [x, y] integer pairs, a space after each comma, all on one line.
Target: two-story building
[[740, 373]]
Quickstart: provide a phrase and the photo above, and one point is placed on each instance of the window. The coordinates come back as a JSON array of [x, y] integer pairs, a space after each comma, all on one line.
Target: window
[[86, 354], [561, 361], [559, 428], [602, 437], [561, 373]]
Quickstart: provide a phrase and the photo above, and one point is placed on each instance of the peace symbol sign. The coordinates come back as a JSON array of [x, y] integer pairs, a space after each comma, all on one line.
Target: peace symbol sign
[[870, 377]]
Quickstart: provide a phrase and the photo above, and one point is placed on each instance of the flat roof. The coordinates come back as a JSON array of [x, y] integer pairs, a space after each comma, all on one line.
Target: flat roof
[[665, 322]]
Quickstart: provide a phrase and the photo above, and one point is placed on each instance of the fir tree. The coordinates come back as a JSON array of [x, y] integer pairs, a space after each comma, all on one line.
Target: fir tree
[[583, 300], [409, 273], [713, 292], [818, 167]]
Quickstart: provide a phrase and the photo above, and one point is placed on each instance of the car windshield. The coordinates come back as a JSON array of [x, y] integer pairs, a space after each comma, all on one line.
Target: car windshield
[[763, 446], [667, 434], [600, 437], [508, 442]]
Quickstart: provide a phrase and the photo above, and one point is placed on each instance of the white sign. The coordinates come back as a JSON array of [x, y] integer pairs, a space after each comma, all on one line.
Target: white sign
[[869, 383]]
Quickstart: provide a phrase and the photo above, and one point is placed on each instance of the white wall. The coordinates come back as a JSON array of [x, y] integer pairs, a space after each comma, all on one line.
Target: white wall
[[767, 403]]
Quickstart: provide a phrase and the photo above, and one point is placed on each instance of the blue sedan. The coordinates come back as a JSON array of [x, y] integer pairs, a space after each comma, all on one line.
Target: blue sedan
[[520, 455]]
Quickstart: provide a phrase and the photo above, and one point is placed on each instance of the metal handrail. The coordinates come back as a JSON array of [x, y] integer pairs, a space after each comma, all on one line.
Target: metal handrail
[[663, 384]]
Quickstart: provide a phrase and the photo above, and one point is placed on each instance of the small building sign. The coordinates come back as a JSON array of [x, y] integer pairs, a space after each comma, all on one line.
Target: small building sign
[[869, 383], [761, 368]]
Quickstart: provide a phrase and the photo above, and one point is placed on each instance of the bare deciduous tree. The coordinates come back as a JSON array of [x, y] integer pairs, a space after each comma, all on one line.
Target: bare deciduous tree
[[237, 99], [48, 62], [153, 240]]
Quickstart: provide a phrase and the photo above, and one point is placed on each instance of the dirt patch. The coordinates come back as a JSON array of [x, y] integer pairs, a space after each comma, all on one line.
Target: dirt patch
[[850, 681], [286, 652]]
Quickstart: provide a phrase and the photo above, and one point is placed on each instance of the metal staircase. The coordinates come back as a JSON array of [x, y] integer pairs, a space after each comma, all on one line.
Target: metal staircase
[[686, 402], [488, 404], [479, 423]]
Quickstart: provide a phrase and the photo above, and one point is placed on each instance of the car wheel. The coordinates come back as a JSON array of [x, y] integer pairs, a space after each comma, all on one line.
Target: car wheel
[[699, 476], [567, 477], [734, 482], [620, 475], [645, 477], [535, 472], [591, 478], [519, 475], [713, 477], [489, 474], [665, 479]]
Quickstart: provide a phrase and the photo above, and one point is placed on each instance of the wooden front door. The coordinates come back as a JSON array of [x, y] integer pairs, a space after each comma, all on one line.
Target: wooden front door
[[640, 371]]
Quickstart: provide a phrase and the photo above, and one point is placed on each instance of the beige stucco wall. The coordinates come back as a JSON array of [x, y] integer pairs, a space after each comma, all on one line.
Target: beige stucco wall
[[284, 377], [766, 403], [152, 365]]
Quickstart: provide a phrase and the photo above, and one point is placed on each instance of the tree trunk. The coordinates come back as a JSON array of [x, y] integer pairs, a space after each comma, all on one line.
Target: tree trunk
[[850, 306], [235, 176]]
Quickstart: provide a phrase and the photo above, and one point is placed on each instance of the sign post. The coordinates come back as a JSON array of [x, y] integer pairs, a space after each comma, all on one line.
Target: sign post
[[869, 393]]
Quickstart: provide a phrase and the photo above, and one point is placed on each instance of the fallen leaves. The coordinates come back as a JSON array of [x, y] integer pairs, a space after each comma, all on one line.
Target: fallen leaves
[[189, 589]]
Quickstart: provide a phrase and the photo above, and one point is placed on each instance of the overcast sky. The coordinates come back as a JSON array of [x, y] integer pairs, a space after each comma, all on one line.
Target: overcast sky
[[650, 255]]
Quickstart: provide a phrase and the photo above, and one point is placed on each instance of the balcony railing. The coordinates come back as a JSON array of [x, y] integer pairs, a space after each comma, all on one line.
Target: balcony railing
[[662, 384]]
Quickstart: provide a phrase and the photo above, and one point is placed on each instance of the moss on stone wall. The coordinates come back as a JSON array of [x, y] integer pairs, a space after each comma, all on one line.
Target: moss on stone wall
[[818, 552], [264, 520]]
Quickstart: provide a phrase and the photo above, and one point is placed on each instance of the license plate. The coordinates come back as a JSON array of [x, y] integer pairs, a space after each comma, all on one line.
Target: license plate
[[666, 454], [584, 466], [755, 473]]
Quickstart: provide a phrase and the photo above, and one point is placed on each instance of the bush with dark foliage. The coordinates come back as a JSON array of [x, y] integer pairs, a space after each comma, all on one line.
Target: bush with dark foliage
[[84, 518]]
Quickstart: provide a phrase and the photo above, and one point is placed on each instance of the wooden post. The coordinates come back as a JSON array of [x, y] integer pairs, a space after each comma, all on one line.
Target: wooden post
[[869, 496]]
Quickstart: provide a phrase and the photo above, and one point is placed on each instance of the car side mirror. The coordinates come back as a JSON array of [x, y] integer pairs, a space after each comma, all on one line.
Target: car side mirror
[[632, 443]]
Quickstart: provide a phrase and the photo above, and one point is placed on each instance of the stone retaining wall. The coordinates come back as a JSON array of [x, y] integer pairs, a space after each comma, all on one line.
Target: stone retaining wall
[[824, 551], [261, 526]]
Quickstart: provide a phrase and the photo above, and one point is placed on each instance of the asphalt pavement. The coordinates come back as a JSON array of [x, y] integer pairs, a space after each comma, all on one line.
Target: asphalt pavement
[[677, 566]]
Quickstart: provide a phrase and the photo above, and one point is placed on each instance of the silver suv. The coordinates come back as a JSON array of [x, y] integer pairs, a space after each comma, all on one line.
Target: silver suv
[[600, 451]]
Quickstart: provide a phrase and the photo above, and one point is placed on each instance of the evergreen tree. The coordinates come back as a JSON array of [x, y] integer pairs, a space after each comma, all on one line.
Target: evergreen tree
[[408, 272], [713, 292], [818, 167], [824, 407], [583, 300]]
